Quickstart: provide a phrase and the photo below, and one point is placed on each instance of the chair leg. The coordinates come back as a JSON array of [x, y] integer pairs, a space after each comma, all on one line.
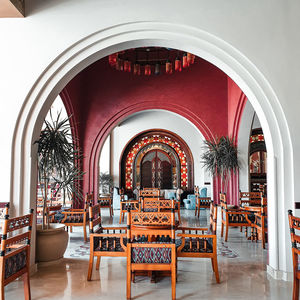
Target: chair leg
[[198, 212], [212, 264], [120, 221], [2, 294], [123, 214], [241, 229], [133, 277], [173, 279], [71, 229], [128, 291], [215, 263], [84, 232], [226, 232], [295, 288], [263, 239], [195, 210], [98, 262], [179, 217], [26, 280], [90, 271], [222, 229]]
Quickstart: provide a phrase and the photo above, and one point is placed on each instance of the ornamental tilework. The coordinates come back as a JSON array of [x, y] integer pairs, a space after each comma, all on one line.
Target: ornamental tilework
[[149, 140]]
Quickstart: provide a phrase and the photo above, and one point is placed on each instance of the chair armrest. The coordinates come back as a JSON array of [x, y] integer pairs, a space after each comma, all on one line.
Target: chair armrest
[[192, 228]]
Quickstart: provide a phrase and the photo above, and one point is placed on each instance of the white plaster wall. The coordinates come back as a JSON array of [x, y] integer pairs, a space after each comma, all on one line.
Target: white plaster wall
[[256, 41], [159, 119]]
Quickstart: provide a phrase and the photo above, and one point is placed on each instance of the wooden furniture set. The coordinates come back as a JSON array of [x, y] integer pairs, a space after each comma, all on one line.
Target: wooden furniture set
[[149, 241], [15, 251]]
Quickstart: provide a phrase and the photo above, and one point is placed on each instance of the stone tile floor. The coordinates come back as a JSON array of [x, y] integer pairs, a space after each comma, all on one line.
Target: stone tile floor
[[242, 267]]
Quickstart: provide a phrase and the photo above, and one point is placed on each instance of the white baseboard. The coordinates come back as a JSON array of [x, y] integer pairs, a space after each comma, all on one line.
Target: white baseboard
[[279, 275]]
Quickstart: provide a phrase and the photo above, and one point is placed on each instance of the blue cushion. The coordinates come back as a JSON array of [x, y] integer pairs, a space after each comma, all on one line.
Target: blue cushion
[[203, 192], [171, 195]]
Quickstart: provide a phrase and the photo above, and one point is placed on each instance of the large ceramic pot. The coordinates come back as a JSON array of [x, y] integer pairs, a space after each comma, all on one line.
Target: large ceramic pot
[[51, 243]]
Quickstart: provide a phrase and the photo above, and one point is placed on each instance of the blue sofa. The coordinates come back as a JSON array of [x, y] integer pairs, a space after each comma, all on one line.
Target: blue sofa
[[190, 201]]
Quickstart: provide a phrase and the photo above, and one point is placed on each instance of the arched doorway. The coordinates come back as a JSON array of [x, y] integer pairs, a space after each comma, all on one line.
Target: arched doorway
[[218, 52], [157, 158]]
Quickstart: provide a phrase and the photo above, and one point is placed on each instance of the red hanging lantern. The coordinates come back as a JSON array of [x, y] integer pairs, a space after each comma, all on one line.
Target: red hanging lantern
[[147, 70], [112, 59], [127, 66], [169, 67], [184, 61], [119, 64], [190, 58], [178, 64], [136, 69]]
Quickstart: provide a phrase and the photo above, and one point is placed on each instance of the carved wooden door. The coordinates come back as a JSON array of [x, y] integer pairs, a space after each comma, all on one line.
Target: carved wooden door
[[156, 171]]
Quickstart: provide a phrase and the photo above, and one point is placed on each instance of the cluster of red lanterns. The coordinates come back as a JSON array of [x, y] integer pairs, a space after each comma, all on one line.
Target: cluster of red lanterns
[[151, 60]]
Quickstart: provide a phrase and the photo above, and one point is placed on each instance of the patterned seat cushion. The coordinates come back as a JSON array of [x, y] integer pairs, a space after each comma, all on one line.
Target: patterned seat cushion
[[15, 263], [149, 255]]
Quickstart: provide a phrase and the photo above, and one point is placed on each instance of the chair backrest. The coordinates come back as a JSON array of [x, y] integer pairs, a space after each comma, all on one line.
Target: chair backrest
[[223, 201], [196, 190], [155, 204], [4, 207], [150, 192], [294, 223], [250, 198], [15, 247], [151, 224], [213, 213], [95, 217]]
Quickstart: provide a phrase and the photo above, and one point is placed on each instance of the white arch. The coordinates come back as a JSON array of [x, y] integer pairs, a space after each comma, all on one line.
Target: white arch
[[203, 44]]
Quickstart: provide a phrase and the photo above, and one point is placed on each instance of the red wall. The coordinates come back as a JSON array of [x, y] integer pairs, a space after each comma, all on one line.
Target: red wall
[[100, 93], [236, 103]]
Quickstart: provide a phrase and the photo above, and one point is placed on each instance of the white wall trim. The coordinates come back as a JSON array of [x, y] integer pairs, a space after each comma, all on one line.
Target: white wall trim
[[279, 275]]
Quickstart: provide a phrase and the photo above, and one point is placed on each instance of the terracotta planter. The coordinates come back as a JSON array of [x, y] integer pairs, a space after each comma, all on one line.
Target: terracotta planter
[[51, 243]]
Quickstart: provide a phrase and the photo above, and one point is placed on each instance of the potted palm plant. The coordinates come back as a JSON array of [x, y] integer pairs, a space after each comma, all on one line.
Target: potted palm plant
[[220, 158], [58, 164], [105, 183]]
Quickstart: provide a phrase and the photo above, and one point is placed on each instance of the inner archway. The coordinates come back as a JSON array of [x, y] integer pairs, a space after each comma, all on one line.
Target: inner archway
[[233, 63]]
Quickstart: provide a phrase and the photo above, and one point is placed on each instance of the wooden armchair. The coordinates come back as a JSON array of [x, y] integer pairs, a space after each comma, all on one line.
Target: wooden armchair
[[294, 223], [106, 202], [133, 205], [78, 217], [201, 202], [249, 199], [151, 245], [231, 216], [15, 252], [104, 241], [201, 242], [260, 224]]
